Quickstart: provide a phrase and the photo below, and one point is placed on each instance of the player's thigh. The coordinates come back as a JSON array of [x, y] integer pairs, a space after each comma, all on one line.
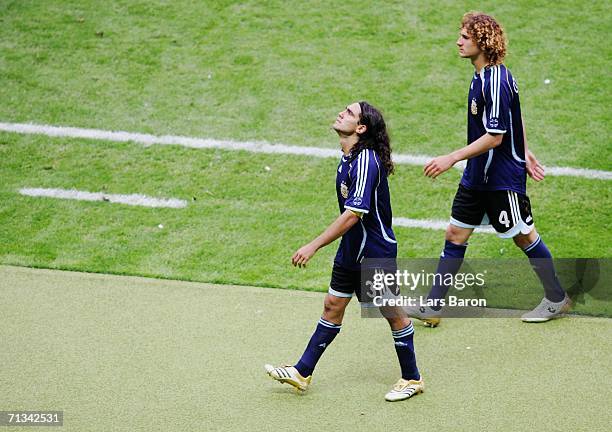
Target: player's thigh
[[467, 213], [343, 283], [341, 289], [509, 212]]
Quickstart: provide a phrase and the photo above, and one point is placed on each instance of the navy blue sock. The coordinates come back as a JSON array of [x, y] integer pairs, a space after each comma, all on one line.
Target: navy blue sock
[[542, 263], [324, 335], [404, 347], [450, 262]]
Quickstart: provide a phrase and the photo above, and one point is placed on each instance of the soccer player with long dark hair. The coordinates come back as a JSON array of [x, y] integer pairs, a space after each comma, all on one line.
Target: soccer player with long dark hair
[[365, 227], [493, 186]]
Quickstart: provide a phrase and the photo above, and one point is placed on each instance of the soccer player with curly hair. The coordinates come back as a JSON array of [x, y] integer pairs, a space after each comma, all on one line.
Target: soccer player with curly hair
[[493, 187], [365, 227]]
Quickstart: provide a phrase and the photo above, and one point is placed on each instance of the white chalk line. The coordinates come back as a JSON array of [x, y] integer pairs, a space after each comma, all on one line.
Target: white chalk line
[[132, 199], [147, 201], [251, 146], [434, 224]]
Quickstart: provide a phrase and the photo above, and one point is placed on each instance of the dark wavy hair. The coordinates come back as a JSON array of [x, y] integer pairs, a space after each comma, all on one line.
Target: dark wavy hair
[[375, 136]]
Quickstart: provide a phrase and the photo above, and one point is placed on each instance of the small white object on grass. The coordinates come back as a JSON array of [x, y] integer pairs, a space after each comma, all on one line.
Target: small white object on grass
[[160, 226], [546, 81], [468, 347], [267, 168]]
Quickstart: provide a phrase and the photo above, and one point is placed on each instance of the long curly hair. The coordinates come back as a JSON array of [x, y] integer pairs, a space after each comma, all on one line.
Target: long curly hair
[[375, 136], [488, 35]]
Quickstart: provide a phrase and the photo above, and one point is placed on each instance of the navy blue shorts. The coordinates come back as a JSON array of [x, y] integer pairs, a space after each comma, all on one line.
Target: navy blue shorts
[[509, 212], [344, 283]]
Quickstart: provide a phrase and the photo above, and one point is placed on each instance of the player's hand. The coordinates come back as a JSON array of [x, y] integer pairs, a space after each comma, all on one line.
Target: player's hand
[[534, 168], [437, 166], [303, 254]]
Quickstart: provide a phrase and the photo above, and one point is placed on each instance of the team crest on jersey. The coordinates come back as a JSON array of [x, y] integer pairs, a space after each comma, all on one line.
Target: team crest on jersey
[[344, 190], [474, 107]]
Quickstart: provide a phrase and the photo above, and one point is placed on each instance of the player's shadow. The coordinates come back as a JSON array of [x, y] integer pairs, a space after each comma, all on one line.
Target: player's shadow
[[587, 274]]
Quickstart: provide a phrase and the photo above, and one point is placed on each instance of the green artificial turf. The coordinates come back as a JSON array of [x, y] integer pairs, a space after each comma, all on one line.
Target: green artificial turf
[[126, 353]]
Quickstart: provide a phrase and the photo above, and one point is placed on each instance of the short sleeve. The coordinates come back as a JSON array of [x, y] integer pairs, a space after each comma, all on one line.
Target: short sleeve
[[364, 174], [497, 95]]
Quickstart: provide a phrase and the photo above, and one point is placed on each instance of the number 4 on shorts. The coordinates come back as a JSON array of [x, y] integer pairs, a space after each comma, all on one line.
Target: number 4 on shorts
[[503, 218]]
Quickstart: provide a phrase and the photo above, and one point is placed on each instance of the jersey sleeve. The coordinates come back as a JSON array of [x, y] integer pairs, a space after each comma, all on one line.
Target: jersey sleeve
[[364, 174], [497, 95]]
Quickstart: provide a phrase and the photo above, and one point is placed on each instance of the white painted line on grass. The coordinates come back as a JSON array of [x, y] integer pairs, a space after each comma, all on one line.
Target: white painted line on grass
[[579, 172], [432, 224], [251, 146], [133, 199], [148, 140], [146, 201]]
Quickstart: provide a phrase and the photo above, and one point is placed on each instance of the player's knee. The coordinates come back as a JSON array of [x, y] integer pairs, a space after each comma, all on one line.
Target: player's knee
[[521, 241], [457, 235], [333, 305], [397, 321], [524, 240]]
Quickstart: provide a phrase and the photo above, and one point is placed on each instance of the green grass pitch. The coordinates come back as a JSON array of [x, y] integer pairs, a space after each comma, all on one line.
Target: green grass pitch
[[278, 72]]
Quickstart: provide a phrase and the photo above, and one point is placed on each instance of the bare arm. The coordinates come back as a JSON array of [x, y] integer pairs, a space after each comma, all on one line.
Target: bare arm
[[533, 166], [342, 224], [437, 166]]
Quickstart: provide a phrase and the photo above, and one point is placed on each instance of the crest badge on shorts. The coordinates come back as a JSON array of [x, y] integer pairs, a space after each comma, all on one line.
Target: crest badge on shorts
[[474, 107], [344, 190]]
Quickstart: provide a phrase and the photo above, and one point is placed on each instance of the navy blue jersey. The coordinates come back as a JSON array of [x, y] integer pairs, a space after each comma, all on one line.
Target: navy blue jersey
[[494, 107], [361, 185]]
